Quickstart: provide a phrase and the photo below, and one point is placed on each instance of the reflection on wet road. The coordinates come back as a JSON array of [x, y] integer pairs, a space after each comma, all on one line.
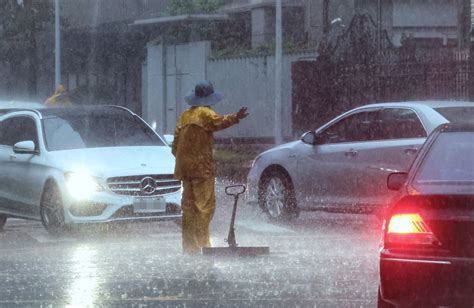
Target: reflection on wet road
[[320, 259]]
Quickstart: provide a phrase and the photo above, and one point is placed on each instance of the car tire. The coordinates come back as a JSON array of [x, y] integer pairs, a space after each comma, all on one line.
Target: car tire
[[52, 210], [3, 221], [277, 196], [381, 303]]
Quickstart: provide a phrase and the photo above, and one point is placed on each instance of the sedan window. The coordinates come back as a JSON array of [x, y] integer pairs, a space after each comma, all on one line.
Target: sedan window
[[358, 127], [18, 129], [400, 123]]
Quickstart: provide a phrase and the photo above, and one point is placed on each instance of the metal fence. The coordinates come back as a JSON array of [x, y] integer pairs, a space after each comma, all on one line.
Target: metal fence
[[322, 90]]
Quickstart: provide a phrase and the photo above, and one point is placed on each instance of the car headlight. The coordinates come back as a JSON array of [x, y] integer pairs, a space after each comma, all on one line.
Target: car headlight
[[80, 185]]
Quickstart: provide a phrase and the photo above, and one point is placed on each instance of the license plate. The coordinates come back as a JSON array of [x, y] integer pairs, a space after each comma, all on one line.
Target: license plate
[[149, 205]]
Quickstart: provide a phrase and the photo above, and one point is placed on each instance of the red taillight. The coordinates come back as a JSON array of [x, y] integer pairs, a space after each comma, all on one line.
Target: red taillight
[[408, 223], [409, 228]]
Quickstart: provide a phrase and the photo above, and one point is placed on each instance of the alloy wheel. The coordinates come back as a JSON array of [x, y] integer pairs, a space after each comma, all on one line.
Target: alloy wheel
[[275, 197], [52, 213]]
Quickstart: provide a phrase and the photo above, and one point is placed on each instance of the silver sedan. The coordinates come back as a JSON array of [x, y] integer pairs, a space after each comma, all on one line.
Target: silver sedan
[[343, 165]]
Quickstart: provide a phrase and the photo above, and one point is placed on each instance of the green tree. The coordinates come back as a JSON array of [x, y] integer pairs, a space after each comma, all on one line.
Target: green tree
[[223, 35], [20, 23], [178, 7]]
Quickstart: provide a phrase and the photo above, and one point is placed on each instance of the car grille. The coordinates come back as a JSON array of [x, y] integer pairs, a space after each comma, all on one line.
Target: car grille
[[127, 211], [136, 185]]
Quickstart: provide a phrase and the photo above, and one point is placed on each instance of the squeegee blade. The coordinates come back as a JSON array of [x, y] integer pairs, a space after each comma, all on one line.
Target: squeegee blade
[[235, 251]]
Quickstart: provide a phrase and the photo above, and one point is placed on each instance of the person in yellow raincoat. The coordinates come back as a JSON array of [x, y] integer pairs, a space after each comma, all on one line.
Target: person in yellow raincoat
[[60, 98], [192, 147]]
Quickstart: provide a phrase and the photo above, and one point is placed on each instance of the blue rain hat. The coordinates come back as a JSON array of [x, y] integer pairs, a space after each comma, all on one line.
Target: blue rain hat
[[203, 95]]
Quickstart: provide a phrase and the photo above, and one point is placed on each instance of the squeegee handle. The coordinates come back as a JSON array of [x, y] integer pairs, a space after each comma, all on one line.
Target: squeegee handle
[[229, 190], [231, 236]]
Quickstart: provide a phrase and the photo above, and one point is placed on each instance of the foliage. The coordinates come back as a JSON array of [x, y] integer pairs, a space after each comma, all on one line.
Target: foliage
[[263, 50], [20, 23], [101, 61], [178, 7], [218, 32], [229, 38], [97, 94]]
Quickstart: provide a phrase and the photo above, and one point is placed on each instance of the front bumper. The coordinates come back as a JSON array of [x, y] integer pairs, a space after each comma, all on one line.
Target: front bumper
[[252, 187], [108, 207], [405, 279]]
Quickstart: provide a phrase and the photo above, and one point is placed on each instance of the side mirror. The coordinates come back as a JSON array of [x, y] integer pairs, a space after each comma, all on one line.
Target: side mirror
[[25, 147], [309, 138], [396, 181], [168, 139]]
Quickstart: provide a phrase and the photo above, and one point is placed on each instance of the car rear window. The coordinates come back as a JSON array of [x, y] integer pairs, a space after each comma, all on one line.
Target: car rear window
[[457, 114], [449, 160]]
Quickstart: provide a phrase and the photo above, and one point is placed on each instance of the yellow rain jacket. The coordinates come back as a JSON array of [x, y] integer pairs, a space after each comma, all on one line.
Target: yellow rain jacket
[[192, 146], [194, 140], [59, 98]]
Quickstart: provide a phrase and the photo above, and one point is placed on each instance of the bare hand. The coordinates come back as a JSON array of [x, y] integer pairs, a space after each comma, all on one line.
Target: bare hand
[[242, 114]]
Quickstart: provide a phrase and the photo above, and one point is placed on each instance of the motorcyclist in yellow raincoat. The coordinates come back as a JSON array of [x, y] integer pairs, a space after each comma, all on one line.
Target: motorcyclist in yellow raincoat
[[192, 147], [60, 98]]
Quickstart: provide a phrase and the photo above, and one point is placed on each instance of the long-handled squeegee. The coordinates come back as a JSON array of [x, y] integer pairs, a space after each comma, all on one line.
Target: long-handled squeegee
[[234, 249]]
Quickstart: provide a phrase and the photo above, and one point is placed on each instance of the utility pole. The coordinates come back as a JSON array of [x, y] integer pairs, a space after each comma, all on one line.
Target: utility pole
[[379, 26], [326, 22], [464, 8], [57, 44], [278, 72]]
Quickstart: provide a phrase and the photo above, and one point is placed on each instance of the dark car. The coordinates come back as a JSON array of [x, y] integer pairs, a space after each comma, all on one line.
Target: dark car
[[427, 248]]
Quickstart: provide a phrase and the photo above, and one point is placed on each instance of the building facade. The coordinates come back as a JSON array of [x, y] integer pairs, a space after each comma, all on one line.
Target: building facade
[[428, 22]]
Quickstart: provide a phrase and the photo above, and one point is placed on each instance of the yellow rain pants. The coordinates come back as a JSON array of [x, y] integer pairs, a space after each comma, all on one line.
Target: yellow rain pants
[[192, 146], [198, 206]]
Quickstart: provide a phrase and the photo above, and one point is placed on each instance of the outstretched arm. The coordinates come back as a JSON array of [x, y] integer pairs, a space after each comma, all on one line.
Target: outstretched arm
[[215, 122]]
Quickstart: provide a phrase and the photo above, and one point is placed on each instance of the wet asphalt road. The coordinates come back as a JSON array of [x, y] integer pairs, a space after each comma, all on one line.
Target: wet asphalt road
[[317, 260]]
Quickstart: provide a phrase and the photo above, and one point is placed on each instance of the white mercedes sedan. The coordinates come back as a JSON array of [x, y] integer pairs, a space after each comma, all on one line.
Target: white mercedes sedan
[[82, 165], [343, 165]]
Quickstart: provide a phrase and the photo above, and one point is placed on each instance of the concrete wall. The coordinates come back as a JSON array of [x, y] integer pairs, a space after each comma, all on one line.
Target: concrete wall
[[438, 19], [263, 26], [243, 81], [171, 74], [251, 82]]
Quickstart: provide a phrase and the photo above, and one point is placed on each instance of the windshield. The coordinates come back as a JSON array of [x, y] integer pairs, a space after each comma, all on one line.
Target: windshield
[[95, 130], [450, 160], [457, 114]]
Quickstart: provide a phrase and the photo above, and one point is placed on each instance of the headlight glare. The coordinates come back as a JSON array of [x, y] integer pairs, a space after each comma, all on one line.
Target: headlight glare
[[81, 185]]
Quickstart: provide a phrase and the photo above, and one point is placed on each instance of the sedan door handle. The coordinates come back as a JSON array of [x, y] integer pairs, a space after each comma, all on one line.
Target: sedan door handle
[[351, 153], [12, 157], [410, 151]]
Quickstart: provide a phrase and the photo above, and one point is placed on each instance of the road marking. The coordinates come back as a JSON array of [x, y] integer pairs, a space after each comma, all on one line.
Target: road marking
[[175, 299], [260, 226], [43, 237], [165, 236]]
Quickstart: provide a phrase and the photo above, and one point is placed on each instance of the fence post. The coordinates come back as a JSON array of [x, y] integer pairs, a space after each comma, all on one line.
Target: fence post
[[471, 71]]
